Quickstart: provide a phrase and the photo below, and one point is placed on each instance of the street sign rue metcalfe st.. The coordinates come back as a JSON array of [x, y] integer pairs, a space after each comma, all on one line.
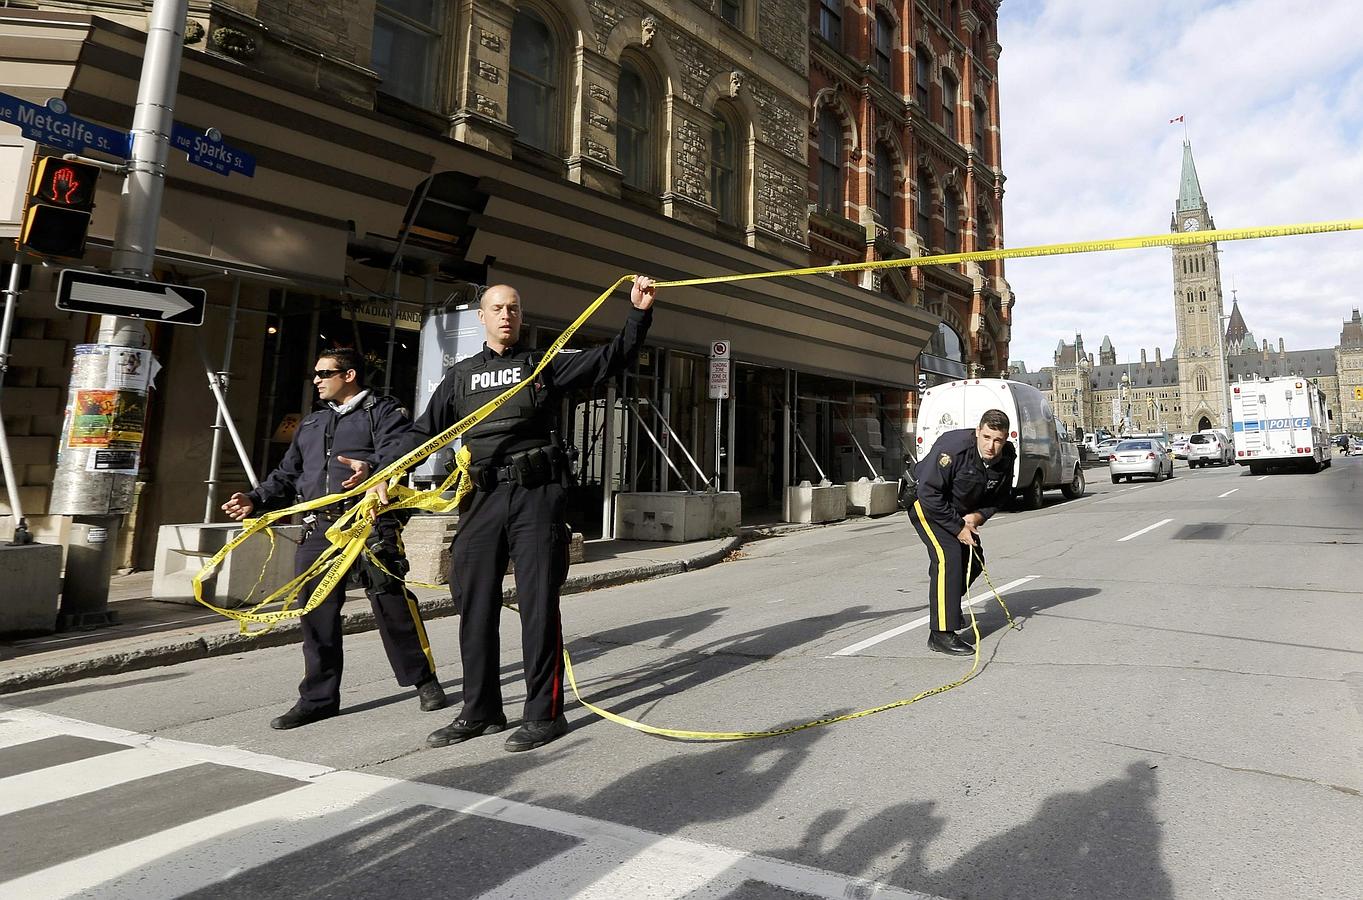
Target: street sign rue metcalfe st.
[[54, 126], [110, 295]]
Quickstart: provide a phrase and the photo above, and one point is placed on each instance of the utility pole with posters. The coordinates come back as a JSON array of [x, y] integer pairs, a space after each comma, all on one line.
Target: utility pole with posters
[[106, 409]]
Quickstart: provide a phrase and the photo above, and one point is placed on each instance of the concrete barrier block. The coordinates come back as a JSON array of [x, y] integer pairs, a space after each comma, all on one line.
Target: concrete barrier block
[[812, 504], [182, 550], [32, 588], [427, 540], [675, 516], [872, 498]]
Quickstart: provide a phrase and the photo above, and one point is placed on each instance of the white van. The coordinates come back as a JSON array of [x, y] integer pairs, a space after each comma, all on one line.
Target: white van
[[1047, 456]]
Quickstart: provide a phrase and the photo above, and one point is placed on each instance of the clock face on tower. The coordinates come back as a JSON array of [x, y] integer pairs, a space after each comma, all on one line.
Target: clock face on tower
[[1190, 224]]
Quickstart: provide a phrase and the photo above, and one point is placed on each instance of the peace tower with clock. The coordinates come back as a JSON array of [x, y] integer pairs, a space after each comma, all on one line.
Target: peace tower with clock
[[1198, 311]]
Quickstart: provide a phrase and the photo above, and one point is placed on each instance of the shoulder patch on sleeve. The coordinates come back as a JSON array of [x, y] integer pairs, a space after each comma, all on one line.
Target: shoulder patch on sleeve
[[944, 460]]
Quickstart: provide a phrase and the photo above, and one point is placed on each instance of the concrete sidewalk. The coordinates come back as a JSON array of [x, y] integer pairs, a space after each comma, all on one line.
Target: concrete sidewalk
[[154, 633]]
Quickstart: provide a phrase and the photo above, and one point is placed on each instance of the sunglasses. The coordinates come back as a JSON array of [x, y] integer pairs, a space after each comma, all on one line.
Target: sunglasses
[[328, 373]]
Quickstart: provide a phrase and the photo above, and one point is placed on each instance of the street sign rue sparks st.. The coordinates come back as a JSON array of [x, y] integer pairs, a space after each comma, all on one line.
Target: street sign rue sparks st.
[[111, 295]]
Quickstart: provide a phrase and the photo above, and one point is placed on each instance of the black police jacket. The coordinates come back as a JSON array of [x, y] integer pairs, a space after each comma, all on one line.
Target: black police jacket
[[953, 480], [373, 430], [527, 419]]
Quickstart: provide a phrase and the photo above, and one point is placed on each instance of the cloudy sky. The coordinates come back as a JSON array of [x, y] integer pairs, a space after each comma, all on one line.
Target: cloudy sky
[[1272, 91]]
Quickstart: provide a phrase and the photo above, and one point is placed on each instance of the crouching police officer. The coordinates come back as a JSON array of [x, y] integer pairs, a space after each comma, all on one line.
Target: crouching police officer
[[517, 509], [333, 449], [962, 481]]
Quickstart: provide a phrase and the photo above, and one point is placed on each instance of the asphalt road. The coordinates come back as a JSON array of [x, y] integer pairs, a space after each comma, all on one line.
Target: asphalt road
[[1180, 714]]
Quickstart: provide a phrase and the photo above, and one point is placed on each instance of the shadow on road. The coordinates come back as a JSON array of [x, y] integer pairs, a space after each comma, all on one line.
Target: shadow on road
[[1102, 842]]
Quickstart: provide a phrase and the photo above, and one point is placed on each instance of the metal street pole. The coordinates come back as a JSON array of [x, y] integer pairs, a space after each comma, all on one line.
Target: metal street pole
[[21, 533], [97, 500]]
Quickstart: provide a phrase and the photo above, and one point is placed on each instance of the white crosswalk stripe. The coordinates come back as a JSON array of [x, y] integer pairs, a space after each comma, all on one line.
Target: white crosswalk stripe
[[301, 805]]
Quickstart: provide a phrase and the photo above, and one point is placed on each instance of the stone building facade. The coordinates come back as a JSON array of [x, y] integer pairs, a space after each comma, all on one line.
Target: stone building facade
[[904, 161], [564, 143]]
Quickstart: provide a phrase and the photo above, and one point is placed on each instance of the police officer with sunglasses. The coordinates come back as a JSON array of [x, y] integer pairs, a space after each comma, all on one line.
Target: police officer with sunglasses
[[335, 448], [516, 511]]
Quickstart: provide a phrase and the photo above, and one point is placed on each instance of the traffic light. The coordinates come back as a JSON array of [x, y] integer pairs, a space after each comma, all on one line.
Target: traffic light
[[61, 197]]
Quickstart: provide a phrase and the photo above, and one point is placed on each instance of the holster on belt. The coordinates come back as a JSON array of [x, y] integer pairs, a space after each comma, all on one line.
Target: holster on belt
[[530, 468]]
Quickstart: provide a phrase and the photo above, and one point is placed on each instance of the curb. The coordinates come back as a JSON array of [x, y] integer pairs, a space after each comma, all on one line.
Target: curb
[[358, 621]]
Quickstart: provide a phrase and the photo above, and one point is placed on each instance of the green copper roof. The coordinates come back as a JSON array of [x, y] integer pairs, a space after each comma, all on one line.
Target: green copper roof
[[1189, 191]]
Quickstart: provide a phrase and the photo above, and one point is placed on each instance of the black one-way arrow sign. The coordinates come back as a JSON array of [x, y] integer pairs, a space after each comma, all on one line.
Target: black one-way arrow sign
[[110, 295]]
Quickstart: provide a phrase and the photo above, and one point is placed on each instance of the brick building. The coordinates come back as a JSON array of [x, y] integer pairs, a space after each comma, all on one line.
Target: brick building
[[573, 142], [904, 160]]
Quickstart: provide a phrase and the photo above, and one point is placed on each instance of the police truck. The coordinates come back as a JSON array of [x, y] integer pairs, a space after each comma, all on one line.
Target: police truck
[[1280, 422]]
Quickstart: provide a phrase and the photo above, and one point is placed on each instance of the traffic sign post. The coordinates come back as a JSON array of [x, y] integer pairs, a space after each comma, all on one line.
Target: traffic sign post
[[719, 392], [97, 500], [133, 298]]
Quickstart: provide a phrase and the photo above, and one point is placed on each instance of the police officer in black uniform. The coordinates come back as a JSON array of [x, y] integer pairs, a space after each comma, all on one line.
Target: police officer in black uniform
[[517, 509], [336, 448], [961, 482]]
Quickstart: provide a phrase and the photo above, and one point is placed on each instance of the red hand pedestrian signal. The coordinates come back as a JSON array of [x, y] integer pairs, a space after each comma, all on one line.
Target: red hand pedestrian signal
[[64, 186], [61, 198]]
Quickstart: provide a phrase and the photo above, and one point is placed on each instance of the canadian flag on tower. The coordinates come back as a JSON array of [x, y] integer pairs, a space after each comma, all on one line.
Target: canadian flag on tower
[[1179, 119]]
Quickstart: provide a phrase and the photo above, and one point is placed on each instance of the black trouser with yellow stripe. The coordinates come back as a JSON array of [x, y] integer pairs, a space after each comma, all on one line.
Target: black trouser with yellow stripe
[[524, 525], [395, 610], [948, 560]]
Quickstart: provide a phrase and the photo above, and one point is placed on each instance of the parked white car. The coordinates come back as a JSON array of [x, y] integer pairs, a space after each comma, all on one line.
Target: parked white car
[[1141, 456], [1209, 448]]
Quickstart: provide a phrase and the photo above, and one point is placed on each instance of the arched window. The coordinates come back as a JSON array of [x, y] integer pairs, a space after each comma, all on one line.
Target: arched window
[[532, 99], [922, 76], [947, 344], [951, 217], [634, 132], [885, 205], [724, 168], [884, 46], [830, 161], [981, 129], [950, 97], [922, 207], [1201, 381]]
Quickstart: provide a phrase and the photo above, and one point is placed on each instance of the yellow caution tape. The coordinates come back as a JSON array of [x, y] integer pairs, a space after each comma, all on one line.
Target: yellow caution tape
[[686, 735], [348, 534], [1128, 243]]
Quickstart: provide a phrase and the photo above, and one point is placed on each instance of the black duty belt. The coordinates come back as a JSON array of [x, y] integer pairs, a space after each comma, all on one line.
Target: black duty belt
[[529, 468]]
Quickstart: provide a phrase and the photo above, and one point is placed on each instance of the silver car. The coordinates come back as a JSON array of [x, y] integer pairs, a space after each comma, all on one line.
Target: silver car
[[1207, 448], [1140, 457]]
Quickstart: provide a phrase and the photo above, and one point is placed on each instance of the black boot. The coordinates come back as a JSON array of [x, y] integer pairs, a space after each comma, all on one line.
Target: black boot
[[948, 642], [431, 694], [299, 716], [461, 730], [536, 734]]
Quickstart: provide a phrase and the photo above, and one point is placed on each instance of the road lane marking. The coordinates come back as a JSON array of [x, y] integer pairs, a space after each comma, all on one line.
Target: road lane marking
[[84, 776], [910, 626], [1228, 493], [330, 805], [1146, 529], [1261, 478]]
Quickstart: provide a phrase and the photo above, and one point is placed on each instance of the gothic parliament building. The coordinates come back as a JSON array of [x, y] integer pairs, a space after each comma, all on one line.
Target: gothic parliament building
[[1188, 391]]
